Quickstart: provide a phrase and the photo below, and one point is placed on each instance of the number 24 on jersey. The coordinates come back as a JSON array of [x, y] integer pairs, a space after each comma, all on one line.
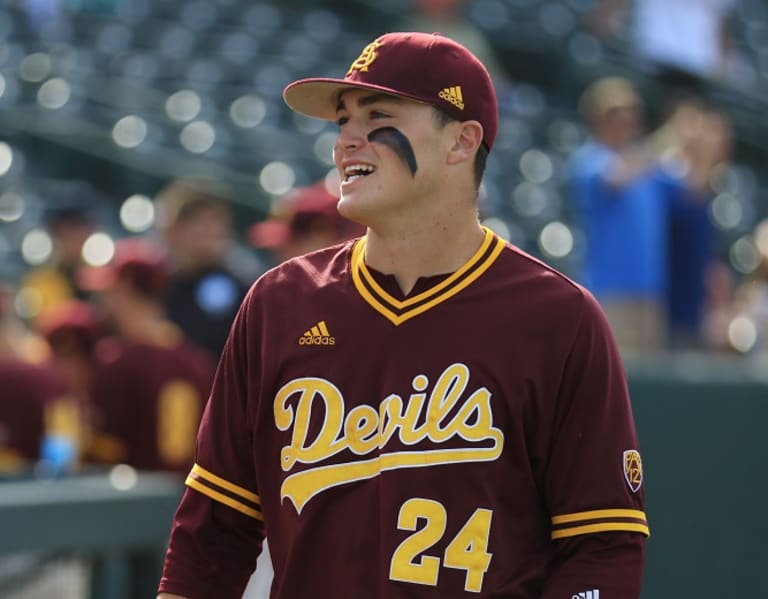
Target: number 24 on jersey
[[468, 550]]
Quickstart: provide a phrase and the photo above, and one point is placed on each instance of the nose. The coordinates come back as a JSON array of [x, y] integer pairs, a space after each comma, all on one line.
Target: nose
[[346, 143], [351, 137]]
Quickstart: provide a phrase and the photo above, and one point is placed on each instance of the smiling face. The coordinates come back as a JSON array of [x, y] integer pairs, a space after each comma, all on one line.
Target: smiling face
[[391, 155]]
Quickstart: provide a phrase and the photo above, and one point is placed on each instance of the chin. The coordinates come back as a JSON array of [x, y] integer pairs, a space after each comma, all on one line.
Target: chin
[[353, 209]]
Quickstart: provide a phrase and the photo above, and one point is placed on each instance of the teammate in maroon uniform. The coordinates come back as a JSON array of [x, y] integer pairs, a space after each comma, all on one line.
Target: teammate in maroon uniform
[[33, 401], [426, 411], [39, 419], [150, 383]]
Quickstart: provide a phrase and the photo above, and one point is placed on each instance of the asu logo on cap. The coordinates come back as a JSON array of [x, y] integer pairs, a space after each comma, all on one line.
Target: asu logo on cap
[[366, 58], [633, 469]]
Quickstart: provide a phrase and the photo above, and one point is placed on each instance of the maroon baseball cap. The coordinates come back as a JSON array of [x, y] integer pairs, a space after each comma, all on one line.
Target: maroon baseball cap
[[73, 326], [299, 212], [139, 261], [429, 68]]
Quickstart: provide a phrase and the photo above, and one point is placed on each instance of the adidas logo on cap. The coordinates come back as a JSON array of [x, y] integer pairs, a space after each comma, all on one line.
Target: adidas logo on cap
[[454, 96]]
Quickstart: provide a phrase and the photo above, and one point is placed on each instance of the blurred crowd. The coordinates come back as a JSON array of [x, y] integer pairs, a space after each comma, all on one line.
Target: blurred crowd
[[642, 198], [112, 363]]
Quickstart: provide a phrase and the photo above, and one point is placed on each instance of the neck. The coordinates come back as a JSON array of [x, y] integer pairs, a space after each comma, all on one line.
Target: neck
[[147, 323], [434, 249]]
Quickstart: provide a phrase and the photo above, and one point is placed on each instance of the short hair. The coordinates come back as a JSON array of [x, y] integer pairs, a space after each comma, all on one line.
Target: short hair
[[481, 158], [605, 94], [183, 198]]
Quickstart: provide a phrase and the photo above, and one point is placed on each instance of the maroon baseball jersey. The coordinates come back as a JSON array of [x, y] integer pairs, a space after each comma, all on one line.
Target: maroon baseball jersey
[[148, 399], [473, 437], [34, 402]]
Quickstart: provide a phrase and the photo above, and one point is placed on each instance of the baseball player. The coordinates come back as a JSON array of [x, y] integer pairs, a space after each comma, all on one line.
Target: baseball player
[[425, 411], [40, 429], [150, 383]]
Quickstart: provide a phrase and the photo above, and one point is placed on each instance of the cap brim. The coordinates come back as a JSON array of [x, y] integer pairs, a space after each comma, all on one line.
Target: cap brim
[[319, 97]]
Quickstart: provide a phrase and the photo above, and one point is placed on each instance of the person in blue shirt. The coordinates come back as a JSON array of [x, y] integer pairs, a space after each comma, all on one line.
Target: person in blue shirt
[[621, 193]]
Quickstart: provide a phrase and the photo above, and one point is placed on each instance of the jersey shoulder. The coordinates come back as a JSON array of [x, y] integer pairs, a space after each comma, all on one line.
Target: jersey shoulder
[[305, 273], [545, 290], [520, 264]]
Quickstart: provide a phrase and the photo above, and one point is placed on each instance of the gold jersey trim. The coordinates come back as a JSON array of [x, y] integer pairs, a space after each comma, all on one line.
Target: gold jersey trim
[[594, 521], [199, 479], [398, 311], [604, 527], [223, 499], [225, 484], [595, 514]]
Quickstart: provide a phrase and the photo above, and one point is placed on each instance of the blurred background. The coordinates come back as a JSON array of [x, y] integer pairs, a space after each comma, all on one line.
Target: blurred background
[[162, 121]]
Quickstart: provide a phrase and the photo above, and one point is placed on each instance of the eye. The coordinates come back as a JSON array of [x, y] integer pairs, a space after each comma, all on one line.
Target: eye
[[378, 114], [342, 120]]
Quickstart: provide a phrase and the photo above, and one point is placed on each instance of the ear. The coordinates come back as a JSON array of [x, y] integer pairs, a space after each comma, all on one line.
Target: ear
[[467, 140]]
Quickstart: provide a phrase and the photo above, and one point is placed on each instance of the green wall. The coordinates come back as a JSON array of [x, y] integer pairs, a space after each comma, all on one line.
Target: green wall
[[702, 427]]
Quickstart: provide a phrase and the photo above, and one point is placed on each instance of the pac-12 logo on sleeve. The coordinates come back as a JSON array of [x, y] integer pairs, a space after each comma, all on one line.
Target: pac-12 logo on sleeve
[[633, 469]]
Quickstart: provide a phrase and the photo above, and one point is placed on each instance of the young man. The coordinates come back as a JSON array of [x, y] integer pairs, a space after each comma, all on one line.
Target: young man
[[426, 411], [195, 223]]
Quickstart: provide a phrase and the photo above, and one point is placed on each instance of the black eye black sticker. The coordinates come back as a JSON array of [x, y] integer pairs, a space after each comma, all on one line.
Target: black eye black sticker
[[393, 138]]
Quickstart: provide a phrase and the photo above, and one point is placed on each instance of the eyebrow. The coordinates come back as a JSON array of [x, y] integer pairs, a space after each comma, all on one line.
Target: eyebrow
[[368, 100]]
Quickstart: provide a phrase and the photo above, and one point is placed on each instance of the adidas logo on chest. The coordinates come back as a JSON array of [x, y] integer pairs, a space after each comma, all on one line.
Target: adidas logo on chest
[[317, 335]]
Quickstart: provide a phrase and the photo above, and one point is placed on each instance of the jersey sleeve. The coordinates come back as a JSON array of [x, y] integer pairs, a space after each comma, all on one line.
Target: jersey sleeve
[[218, 528], [594, 479]]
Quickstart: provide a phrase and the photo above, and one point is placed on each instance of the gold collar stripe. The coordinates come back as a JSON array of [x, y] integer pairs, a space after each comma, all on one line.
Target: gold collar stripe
[[398, 311]]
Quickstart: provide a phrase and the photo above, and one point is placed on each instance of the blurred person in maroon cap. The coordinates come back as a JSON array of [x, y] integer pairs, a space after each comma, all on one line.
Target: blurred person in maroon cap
[[150, 383], [39, 421], [304, 220], [70, 219], [425, 411], [209, 275], [72, 331]]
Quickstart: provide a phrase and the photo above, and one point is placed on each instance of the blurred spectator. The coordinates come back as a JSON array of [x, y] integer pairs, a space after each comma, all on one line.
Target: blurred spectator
[[644, 201], [620, 195], [72, 331], [684, 43], [39, 422], [701, 145], [751, 298], [150, 383], [69, 220], [304, 220], [195, 222]]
